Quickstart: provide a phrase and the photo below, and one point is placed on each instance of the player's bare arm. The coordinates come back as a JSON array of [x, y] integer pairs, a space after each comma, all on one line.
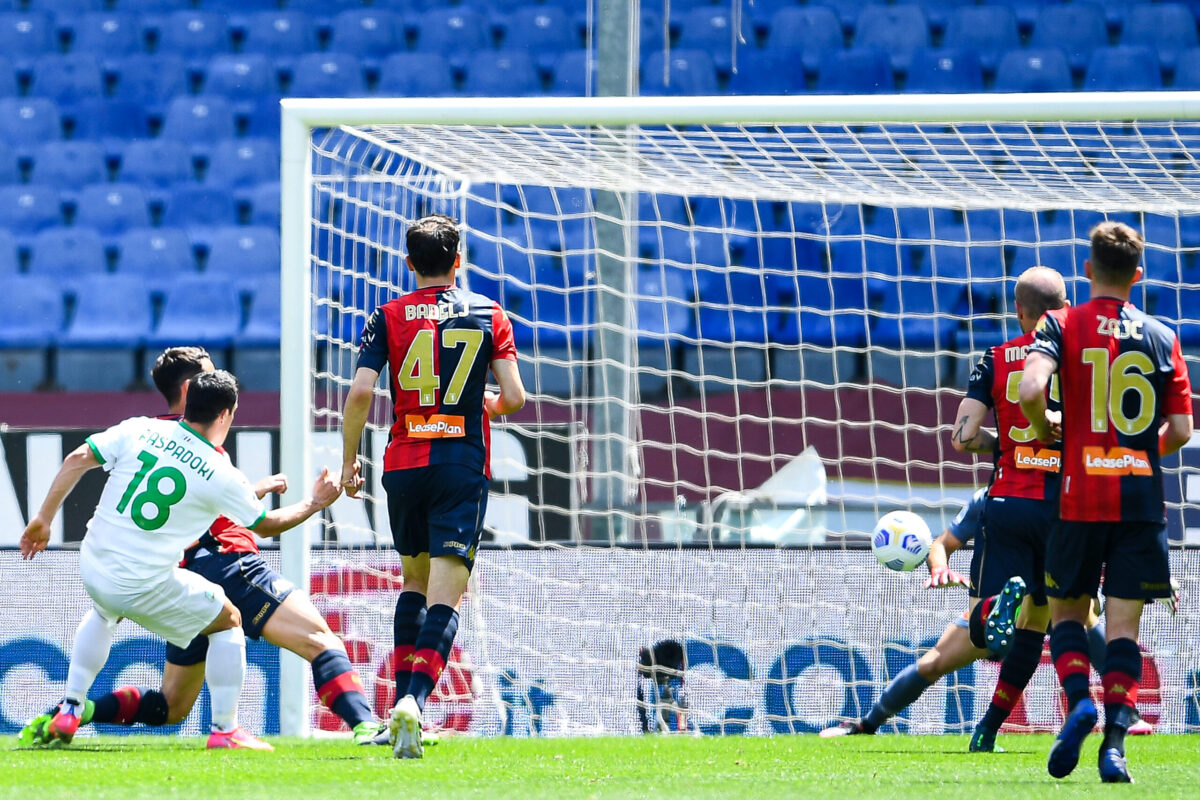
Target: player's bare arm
[[1032, 391], [969, 435], [272, 484], [1175, 432], [37, 532], [512, 389], [354, 418], [324, 492], [940, 574]]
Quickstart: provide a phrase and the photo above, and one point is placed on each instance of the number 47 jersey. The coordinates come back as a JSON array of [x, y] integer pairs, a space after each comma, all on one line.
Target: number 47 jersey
[[1120, 372], [438, 344], [166, 486]]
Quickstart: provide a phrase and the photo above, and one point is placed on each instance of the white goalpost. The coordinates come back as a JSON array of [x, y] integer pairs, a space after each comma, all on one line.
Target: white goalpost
[[745, 324]]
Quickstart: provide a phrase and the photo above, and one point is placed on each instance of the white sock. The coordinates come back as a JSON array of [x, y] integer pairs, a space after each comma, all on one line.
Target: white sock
[[225, 671], [89, 652]]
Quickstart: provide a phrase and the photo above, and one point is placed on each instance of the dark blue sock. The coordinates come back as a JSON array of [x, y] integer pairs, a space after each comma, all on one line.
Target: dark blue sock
[[1015, 671], [1068, 648], [433, 648], [1098, 645], [901, 693], [406, 627], [340, 688]]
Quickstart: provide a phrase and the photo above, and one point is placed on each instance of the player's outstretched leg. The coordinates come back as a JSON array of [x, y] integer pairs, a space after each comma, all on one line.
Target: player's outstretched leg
[[1015, 673], [1068, 647], [902, 692], [1000, 626]]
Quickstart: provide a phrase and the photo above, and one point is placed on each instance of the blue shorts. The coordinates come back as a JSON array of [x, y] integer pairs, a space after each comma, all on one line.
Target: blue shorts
[[1132, 556], [1012, 542], [252, 586], [437, 510]]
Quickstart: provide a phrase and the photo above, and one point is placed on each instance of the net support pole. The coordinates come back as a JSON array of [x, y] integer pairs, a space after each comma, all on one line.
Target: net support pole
[[295, 394], [616, 76]]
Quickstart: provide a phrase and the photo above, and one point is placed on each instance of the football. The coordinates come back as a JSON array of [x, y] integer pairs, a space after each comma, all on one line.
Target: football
[[901, 540]]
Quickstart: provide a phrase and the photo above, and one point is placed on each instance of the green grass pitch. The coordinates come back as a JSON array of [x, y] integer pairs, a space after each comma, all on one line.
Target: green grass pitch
[[859, 768]]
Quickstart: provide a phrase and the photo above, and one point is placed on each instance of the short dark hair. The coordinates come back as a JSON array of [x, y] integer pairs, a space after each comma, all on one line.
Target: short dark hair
[[1116, 251], [432, 244], [209, 395], [175, 367]]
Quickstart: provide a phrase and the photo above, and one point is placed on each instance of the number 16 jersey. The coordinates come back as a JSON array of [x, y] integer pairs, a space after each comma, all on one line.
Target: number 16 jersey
[[1120, 372], [438, 344], [166, 486]]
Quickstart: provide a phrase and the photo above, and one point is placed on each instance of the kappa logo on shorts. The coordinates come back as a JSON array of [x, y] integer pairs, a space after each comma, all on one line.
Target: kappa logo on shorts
[[436, 426], [1043, 459], [1116, 461]]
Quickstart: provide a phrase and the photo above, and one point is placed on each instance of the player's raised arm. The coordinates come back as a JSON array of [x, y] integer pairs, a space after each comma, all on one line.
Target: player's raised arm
[[326, 489], [37, 532]]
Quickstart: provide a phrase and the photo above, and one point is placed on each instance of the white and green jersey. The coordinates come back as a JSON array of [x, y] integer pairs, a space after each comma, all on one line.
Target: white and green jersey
[[166, 486]]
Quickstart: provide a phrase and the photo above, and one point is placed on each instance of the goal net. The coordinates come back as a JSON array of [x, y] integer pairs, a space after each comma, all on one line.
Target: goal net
[[744, 342]]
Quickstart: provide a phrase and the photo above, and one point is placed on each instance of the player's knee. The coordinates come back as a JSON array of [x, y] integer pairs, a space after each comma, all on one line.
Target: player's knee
[[929, 664], [318, 642]]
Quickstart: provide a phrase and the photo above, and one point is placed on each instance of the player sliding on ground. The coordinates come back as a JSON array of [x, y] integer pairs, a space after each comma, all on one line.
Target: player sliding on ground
[[1011, 520], [1126, 402], [167, 480], [438, 344], [271, 608]]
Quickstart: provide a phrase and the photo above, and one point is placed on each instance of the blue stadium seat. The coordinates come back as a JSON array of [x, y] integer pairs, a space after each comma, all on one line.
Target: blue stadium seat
[[944, 71], [194, 36], [572, 71], [69, 165], [144, 7], [772, 71], [711, 28], [897, 30], [24, 36], [243, 251], [265, 319], [455, 33], [235, 8], [367, 33], [661, 310], [325, 8], [199, 121], [493, 73], [1026, 11], [1187, 69], [66, 79], [65, 7], [198, 310], [545, 32], [848, 11], [94, 325], [112, 208], [1034, 70], [989, 31], [245, 79], [762, 11], [67, 253], [32, 314], [27, 209], [29, 121], [811, 32], [1167, 27], [1124, 68], [861, 70], [106, 35], [939, 11], [155, 254], [732, 309], [1077, 29], [264, 204], [415, 75], [915, 313], [149, 81], [156, 163], [327, 75], [8, 78], [10, 168], [692, 72], [242, 163], [200, 210], [279, 34], [10, 261], [109, 122], [831, 311]]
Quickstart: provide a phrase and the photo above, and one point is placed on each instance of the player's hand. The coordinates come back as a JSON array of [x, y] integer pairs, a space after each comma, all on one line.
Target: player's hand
[[326, 489], [1054, 420], [1172, 602], [273, 484], [944, 577], [352, 479], [35, 538], [489, 404]]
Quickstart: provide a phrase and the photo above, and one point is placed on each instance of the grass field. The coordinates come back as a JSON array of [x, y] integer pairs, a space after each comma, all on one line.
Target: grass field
[[861, 768]]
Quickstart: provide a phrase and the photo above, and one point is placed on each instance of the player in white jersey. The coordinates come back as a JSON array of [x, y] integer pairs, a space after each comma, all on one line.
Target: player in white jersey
[[167, 480]]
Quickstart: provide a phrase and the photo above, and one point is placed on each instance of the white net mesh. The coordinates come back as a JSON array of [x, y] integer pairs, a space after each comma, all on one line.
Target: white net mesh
[[774, 365]]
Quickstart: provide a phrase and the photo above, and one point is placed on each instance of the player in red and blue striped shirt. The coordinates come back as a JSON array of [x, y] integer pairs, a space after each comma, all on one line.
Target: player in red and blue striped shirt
[[439, 344], [1126, 402]]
